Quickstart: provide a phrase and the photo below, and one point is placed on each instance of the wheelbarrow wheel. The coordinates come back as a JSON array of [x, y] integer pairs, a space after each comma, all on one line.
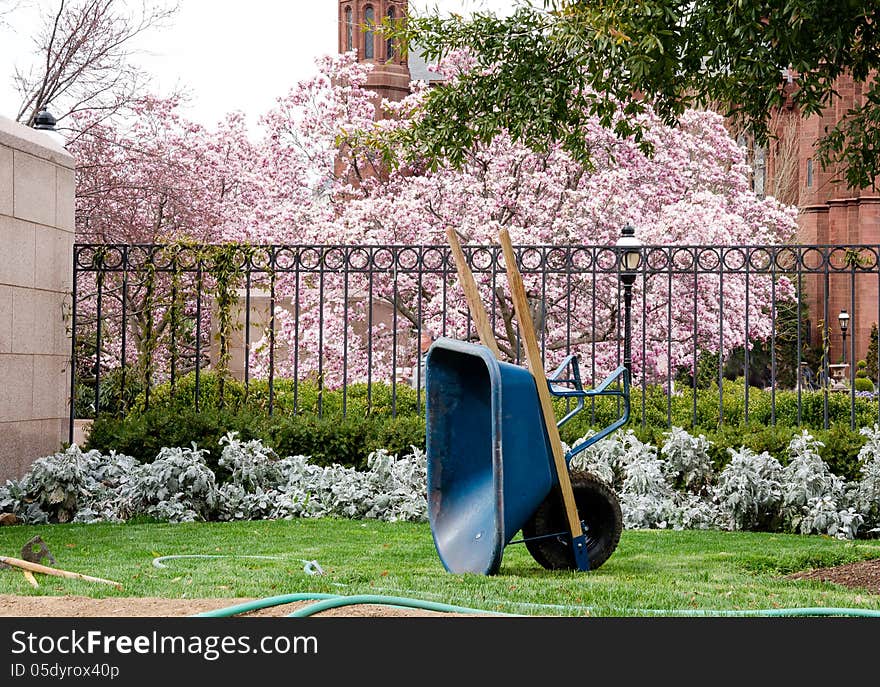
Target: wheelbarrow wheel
[[602, 520]]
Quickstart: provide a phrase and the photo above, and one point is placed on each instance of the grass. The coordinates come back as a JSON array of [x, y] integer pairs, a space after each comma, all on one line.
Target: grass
[[652, 570]]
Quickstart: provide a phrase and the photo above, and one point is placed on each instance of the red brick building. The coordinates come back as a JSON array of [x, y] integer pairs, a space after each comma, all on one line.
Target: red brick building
[[390, 78], [831, 213], [392, 73]]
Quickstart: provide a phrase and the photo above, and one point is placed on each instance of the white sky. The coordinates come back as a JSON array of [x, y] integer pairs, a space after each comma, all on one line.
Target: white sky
[[227, 55]]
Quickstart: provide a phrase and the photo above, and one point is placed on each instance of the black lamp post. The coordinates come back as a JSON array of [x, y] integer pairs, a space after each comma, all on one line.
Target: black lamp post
[[45, 121], [843, 319], [629, 250]]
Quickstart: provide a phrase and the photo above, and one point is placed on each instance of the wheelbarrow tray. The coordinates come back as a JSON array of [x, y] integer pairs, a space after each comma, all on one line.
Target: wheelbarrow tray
[[488, 454]]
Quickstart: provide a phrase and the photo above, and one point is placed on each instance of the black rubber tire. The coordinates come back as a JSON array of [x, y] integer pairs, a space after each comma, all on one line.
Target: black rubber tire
[[599, 510]]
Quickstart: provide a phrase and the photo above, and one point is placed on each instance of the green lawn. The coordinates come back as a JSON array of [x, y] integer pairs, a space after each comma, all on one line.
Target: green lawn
[[650, 570]]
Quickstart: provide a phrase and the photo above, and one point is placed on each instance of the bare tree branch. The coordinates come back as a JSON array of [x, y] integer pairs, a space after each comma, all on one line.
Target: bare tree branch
[[7, 7], [84, 51]]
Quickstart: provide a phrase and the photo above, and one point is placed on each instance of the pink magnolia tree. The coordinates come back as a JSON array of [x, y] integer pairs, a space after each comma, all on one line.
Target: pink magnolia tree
[[156, 178], [693, 190], [310, 180]]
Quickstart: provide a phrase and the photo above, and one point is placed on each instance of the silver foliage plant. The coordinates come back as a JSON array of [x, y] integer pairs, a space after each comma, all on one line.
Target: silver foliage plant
[[813, 498], [645, 480], [68, 486], [263, 486], [392, 488], [673, 486], [178, 486], [867, 493], [687, 461], [749, 490]]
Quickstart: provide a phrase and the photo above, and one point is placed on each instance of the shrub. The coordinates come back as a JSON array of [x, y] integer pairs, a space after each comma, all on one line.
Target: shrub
[[871, 356], [326, 439], [811, 493], [687, 460], [840, 450], [608, 458], [143, 436], [749, 490], [646, 498], [398, 435], [177, 486], [288, 397], [255, 473], [759, 439], [753, 491], [864, 384], [251, 465], [118, 392], [68, 486], [347, 441], [867, 492]]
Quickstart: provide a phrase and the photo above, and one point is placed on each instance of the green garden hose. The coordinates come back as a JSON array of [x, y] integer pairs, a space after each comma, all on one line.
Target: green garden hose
[[325, 602], [328, 601], [258, 604], [395, 601]]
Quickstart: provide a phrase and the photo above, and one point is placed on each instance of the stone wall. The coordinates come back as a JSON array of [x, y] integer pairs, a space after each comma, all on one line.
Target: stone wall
[[37, 190]]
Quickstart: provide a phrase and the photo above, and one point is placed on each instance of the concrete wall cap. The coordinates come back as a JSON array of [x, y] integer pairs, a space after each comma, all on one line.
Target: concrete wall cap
[[33, 142]]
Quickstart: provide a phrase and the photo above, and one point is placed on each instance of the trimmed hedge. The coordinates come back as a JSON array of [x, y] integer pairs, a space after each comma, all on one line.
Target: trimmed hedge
[[144, 435], [732, 400], [370, 424], [327, 440], [383, 401], [359, 400]]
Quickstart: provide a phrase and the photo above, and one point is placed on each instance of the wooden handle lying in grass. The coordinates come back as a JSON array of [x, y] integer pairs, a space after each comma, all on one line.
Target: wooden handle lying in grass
[[46, 570]]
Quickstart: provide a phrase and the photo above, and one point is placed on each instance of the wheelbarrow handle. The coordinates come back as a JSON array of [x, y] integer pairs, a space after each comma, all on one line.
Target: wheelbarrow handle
[[578, 391], [603, 390], [569, 361], [555, 379]]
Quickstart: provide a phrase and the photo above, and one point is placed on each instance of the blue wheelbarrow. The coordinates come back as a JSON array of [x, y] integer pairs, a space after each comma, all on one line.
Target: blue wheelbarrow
[[491, 471], [495, 459]]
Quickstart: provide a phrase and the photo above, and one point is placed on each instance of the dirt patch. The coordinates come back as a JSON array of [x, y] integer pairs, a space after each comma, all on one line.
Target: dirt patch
[[84, 607], [862, 575]]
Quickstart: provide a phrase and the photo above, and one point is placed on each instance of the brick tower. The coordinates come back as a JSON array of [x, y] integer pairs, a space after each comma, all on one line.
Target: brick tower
[[391, 75]]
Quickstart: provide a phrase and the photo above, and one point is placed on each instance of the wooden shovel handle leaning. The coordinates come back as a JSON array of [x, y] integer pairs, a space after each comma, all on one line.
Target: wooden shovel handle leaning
[[46, 570], [533, 358], [536, 367], [472, 295]]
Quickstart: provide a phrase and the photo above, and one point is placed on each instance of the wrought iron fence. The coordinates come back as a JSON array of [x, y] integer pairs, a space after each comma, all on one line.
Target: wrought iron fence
[[303, 321]]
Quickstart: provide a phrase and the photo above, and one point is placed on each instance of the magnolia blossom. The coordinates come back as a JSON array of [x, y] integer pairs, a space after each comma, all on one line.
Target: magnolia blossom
[[694, 190], [310, 179]]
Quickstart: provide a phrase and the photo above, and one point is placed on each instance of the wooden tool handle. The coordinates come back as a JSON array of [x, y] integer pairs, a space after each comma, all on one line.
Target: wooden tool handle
[[536, 367], [46, 570], [472, 294]]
